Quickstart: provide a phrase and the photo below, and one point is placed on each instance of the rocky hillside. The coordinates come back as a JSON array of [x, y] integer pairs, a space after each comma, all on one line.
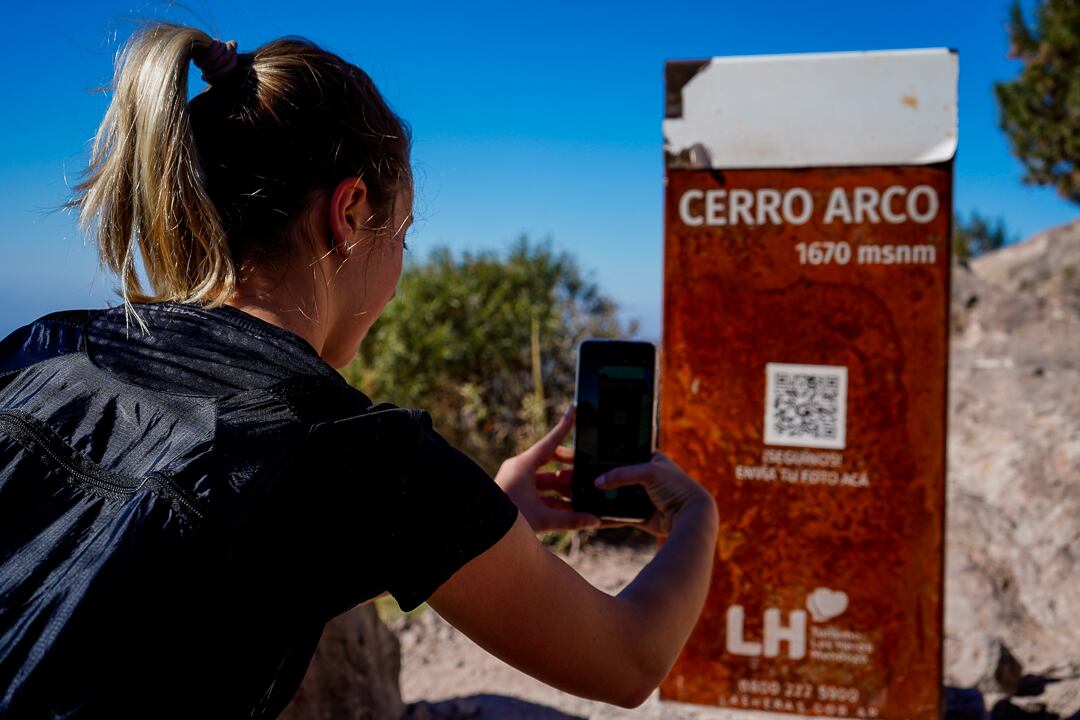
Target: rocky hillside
[[1013, 559]]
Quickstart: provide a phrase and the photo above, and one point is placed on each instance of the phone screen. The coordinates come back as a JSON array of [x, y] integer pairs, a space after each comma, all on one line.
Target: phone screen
[[614, 426]]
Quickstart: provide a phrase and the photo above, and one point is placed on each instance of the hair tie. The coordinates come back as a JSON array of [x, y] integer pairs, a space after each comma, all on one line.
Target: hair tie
[[216, 61]]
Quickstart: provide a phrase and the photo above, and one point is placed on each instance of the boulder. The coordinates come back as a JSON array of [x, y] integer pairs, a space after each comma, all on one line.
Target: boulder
[[1013, 509], [354, 674]]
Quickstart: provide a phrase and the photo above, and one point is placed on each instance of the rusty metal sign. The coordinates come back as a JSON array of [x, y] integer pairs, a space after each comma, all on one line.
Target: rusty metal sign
[[806, 291]]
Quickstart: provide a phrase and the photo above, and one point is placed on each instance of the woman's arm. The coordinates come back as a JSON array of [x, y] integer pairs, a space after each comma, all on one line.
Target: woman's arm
[[526, 606]]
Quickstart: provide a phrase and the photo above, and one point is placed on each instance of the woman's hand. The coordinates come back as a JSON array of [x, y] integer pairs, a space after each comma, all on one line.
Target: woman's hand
[[669, 488], [521, 479]]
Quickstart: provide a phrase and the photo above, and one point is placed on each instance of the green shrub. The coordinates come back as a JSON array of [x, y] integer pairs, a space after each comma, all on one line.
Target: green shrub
[[486, 343]]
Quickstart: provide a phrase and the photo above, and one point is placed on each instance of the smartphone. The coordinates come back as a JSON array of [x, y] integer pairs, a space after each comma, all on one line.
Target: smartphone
[[615, 425]]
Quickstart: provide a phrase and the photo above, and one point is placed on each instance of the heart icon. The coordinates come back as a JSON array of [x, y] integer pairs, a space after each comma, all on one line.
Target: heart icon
[[825, 604]]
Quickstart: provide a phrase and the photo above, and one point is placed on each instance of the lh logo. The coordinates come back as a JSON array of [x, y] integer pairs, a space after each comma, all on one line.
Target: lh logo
[[824, 604], [794, 634]]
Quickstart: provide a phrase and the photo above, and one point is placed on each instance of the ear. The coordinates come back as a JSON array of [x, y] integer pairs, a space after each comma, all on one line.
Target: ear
[[349, 212]]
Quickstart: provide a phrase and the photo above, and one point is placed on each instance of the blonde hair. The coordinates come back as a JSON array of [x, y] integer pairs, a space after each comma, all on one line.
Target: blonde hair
[[197, 187]]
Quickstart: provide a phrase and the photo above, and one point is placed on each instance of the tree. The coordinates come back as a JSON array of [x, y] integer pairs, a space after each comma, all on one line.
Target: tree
[[977, 236], [1040, 109], [486, 343]]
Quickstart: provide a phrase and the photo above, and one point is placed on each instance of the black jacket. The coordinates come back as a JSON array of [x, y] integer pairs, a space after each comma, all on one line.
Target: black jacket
[[181, 511]]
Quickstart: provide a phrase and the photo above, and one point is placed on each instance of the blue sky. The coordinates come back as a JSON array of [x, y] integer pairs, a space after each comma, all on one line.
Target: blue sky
[[528, 118]]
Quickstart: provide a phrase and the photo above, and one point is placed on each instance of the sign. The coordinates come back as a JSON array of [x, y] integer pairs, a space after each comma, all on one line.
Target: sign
[[806, 308]]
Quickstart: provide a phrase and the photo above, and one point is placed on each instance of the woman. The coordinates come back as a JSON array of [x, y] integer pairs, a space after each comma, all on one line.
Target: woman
[[188, 489]]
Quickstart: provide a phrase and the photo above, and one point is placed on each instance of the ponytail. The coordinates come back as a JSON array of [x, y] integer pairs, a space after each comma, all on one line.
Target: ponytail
[[145, 185], [206, 190]]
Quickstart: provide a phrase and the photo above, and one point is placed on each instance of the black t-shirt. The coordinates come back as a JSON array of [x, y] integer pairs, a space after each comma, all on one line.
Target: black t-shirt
[[310, 516]]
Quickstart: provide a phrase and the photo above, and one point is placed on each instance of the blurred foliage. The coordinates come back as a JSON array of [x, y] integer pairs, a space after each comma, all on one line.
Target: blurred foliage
[[977, 236], [486, 342], [387, 608], [1040, 108]]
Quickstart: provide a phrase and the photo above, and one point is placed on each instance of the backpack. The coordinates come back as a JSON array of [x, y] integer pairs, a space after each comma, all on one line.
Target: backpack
[[129, 565]]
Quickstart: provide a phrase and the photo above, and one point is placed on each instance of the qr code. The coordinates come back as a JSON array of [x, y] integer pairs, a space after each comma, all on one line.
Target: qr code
[[805, 405]]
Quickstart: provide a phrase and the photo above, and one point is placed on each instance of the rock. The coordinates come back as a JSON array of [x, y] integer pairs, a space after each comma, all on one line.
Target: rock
[[1013, 508], [354, 674], [983, 662], [1044, 267]]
